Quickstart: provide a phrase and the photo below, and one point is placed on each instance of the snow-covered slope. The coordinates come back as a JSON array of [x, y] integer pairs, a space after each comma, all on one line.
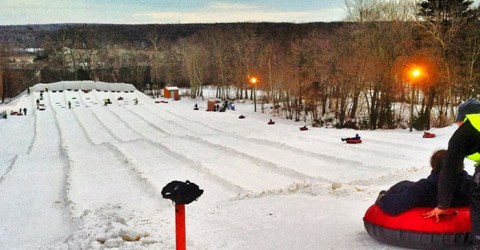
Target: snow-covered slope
[[91, 176]]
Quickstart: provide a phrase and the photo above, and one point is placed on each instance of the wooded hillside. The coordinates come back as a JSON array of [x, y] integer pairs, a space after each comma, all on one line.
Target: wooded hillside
[[355, 73]]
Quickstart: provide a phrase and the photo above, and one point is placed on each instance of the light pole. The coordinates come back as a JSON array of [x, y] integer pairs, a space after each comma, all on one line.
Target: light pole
[[253, 81], [415, 73]]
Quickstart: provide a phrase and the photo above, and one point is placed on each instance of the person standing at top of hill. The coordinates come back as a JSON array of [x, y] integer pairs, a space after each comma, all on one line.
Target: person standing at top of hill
[[465, 142]]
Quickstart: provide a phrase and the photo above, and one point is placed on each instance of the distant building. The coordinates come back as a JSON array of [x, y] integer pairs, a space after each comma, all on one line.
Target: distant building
[[171, 92]]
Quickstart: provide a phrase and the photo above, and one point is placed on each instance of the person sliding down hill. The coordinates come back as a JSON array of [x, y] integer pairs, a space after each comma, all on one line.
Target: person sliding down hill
[[423, 193], [357, 137]]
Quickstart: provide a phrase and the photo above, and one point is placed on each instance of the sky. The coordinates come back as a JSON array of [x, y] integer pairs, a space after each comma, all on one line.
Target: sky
[[22, 12], [91, 177]]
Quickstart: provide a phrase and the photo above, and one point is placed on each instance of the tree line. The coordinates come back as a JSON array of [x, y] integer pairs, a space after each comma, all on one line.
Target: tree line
[[355, 73]]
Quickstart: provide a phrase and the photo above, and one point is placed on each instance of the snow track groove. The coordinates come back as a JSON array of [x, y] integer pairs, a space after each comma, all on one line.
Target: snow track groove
[[67, 166], [259, 148], [99, 190], [238, 163], [192, 165], [29, 150], [91, 135], [8, 168], [150, 129], [195, 165], [38, 178], [285, 146]]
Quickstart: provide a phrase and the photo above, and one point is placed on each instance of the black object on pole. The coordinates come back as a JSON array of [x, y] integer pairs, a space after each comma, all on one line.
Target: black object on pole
[[181, 193]]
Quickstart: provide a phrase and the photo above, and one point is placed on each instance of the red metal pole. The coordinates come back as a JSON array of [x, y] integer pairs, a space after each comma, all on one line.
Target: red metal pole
[[180, 226]]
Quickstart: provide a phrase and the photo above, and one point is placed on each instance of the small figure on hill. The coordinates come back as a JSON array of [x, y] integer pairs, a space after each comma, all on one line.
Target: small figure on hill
[[38, 103], [428, 135], [195, 107], [28, 91], [136, 101], [69, 105], [271, 122], [25, 111], [20, 111], [304, 128], [231, 106], [41, 95], [357, 137], [241, 117]]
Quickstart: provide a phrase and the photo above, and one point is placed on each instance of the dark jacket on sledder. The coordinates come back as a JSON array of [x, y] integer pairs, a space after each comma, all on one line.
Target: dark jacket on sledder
[[423, 193]]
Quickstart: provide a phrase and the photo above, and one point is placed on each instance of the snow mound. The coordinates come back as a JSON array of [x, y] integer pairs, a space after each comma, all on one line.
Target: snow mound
[[108, 227]]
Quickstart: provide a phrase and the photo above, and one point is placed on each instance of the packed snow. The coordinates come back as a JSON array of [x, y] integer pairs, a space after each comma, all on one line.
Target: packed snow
[[90, 177]]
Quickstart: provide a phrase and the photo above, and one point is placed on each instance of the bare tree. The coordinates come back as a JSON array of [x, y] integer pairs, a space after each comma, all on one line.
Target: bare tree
[[443, 20]]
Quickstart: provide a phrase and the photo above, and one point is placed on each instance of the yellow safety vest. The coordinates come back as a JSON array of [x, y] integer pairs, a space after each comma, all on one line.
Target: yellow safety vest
[[475, 121]]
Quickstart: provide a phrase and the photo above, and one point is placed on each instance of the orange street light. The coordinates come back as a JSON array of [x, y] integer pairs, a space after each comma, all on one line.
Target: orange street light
[[415, 73], [253, 81]]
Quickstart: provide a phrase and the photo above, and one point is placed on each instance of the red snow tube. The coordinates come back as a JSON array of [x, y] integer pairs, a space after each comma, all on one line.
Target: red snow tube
[[409, 229], [354, 141], [428, 135]]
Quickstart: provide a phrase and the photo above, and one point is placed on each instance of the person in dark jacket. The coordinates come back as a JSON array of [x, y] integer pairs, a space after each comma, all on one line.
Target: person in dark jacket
[[357, 137], [423, 193], [465, 142]]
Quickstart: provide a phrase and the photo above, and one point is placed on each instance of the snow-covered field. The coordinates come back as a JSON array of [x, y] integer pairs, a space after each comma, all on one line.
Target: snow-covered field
[[90, 177]]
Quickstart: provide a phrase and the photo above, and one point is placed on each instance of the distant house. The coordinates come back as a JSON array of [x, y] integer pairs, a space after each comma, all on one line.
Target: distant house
[[171, 92]]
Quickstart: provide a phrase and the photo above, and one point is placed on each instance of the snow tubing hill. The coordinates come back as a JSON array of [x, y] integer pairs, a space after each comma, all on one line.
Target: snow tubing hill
[[411, 230]]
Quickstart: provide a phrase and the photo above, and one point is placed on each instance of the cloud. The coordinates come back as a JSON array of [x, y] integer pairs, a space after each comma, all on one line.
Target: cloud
[[87, 11], [244, 14], [230, 6]]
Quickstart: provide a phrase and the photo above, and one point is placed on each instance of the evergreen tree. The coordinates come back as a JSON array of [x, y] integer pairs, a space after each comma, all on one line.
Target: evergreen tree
[[445, 11]]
